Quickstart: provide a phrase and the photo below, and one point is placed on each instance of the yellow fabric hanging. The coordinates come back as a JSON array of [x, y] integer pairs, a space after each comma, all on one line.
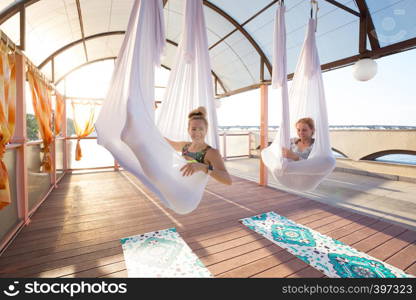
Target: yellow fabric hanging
[[83, 126], [59, 113], [41, 98], [7, 116]]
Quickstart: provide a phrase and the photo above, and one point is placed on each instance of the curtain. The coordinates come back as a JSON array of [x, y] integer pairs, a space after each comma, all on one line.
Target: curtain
[[7, 116], [41, 99], [84, 116], [59, 113]]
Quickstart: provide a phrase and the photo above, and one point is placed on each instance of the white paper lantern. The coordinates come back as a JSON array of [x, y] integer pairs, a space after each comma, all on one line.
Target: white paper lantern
[[364, 69]]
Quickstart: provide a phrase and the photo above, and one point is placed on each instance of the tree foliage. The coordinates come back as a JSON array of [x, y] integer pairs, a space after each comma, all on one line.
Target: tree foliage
[[33, 128]]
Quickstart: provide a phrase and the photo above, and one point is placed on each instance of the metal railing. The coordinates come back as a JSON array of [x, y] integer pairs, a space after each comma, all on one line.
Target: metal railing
[[224, 145], [245, 149]]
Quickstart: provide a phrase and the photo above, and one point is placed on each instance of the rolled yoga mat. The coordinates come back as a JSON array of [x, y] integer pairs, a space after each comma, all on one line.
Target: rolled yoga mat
[[161, 253], [328, 255]]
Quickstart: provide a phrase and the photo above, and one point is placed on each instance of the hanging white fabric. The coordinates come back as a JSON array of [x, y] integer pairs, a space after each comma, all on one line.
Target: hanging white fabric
[[190, 83], [307, 99], [126, 125]]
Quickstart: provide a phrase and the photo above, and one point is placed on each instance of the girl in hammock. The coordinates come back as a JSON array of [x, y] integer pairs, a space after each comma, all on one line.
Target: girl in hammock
[[301, 147], [201, 157]]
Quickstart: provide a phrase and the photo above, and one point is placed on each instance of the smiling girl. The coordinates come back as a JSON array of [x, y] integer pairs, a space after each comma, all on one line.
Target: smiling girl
[[301, 147], [201, 157]]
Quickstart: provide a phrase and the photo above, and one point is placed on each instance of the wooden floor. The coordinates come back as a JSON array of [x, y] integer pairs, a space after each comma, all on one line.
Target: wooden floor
[[76, 232]]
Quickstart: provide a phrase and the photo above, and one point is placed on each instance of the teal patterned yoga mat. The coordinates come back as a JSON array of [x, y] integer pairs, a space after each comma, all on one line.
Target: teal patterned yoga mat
[[161, 253], [328, 255]]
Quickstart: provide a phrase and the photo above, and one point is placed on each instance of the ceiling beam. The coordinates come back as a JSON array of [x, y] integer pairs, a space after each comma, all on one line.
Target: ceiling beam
[[241, 90], [394, 48], [342, 6], [53, 69], [81, 25], [365, 16], [362, 35], [22, 29]]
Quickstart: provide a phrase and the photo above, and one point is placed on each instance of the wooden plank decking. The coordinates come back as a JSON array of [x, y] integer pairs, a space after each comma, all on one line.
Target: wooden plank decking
[[76, 232]]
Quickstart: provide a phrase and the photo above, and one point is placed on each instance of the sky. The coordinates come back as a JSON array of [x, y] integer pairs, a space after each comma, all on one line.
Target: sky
[[387, 99]]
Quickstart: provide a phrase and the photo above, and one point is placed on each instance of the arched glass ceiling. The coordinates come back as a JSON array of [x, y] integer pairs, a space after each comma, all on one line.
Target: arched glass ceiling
[[76, 32]]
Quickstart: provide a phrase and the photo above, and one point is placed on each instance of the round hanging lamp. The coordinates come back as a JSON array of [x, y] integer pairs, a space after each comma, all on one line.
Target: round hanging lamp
[[364, 69]]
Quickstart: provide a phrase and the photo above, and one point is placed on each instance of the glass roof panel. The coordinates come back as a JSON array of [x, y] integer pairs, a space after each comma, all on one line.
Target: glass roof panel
[[261, 29], [47, 70], [252, 62], [96, 15], [12, 28], [244, 10], [244, 52], [120, 14], [169, 55], [79, 82], [394, 20], [106, 46], [115, 43], [50, 25], [5, 3], [217, 25], [173, 19], [68, 60], [233, 75], [333, 23], [346, 36], [105, 15]]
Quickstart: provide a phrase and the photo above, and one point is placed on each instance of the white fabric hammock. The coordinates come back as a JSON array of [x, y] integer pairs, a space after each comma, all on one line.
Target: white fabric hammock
[[307, 99], [190, 83], [126, 124]]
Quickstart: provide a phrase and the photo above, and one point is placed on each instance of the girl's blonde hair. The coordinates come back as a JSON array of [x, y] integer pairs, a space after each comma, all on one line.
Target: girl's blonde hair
[[198, 114], [307, 121]]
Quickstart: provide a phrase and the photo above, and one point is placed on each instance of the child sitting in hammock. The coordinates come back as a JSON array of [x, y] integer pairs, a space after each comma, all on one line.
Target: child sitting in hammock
[[301, 147], [201, 157]]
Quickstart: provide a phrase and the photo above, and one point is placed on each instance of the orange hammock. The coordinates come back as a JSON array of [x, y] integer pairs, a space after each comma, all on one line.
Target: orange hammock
[[7, 116]]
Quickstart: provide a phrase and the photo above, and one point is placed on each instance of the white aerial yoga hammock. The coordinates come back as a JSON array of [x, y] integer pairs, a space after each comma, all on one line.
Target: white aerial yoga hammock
[[126, 124], [190, 83], [307, 99]]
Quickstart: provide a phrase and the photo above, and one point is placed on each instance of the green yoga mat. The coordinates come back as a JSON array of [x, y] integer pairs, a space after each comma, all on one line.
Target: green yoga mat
[[161, 253], [328, 255]]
